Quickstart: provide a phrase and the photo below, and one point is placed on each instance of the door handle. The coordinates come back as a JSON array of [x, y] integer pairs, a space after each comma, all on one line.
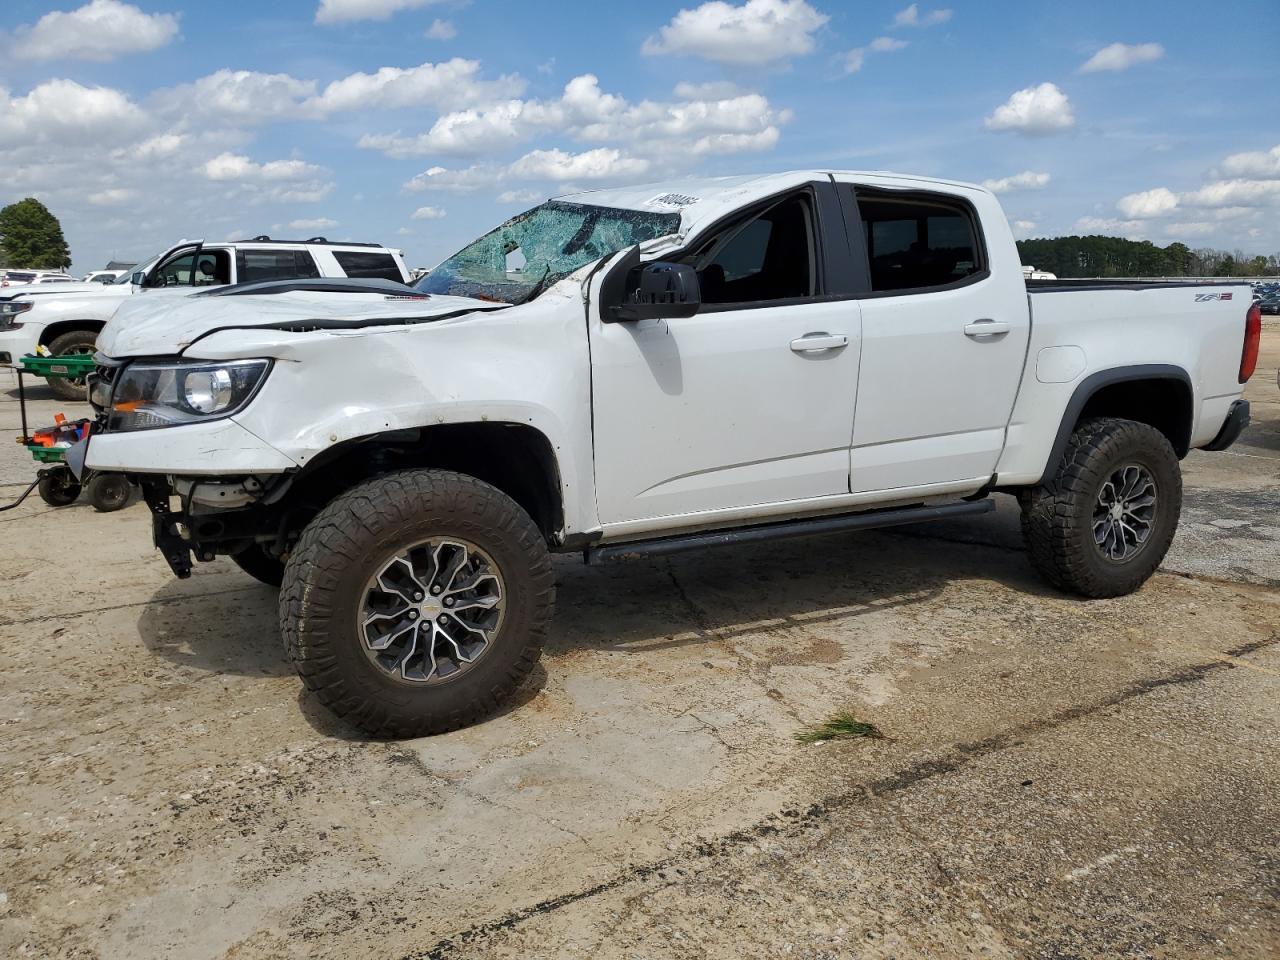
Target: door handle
[[986, 329], [819, 342]]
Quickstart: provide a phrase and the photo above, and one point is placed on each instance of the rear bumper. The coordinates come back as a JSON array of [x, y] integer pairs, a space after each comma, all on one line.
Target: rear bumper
[[1237, 420]]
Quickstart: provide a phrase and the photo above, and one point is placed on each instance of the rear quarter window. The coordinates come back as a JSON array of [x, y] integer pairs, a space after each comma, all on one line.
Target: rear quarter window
[[360, 263]]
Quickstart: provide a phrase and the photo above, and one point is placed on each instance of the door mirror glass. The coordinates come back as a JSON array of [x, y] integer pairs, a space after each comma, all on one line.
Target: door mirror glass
[[137, 278], [660, 289]]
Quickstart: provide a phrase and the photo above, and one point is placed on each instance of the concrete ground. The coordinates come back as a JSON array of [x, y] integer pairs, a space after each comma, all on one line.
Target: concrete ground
[[1057, 778]]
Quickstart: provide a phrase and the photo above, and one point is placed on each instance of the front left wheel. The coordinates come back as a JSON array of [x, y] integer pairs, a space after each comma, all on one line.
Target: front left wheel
[[417, 602]]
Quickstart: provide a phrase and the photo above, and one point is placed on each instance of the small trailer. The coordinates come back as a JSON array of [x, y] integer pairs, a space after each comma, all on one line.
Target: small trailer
[[57, 485]]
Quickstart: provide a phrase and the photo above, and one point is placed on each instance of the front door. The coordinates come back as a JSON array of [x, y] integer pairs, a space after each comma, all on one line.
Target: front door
[[750, 401]]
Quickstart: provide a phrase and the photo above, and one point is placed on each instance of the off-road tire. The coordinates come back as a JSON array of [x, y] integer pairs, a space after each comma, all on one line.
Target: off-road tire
[[58, 487], [346, 544], [76, 342], [262, 566], [109, 492], [1057, 517]]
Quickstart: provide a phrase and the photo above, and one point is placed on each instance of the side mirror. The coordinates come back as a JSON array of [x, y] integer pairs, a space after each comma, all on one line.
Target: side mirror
[[659, 290], [137, 277]]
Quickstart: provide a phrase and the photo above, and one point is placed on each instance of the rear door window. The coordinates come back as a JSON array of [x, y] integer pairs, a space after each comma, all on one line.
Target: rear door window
[[919, 241], [361, 263], [253, 265]]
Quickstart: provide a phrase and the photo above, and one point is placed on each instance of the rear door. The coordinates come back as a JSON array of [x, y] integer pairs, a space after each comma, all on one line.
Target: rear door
[[944, 340]]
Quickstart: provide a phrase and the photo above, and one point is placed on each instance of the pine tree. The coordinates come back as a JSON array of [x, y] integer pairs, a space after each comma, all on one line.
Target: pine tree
[[31, 237]]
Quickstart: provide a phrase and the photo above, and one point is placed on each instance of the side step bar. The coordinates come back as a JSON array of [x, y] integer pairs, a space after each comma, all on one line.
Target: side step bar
[[787, 530]]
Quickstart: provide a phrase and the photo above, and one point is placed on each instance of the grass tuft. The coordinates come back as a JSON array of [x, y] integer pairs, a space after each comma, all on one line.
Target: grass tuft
[[843, 726]]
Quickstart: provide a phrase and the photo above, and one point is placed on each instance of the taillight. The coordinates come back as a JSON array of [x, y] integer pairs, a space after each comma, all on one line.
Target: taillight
[[1252, 338]]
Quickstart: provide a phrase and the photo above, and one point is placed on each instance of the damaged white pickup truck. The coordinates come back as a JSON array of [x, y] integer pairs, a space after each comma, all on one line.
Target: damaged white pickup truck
[[644, 370]]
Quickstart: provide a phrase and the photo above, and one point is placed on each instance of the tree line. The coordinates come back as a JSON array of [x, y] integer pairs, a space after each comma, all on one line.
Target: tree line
[[1099, 256]]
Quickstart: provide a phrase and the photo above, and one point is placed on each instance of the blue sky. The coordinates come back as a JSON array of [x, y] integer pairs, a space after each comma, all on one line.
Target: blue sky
[[421, 124]]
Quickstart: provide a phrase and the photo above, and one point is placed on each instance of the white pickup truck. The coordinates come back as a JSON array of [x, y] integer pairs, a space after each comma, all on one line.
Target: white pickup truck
[[66, 317], [644, 370]]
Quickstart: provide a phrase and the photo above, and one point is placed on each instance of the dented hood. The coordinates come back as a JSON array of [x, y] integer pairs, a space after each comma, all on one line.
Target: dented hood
[[154, 328], [38, 291]]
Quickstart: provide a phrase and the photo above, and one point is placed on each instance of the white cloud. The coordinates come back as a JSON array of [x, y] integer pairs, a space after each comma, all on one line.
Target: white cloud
[[101, 30], [1234, 193], [1109, 226], [855, 58], [759, 31], [441, 30], [428, 213], [1027, 180], [1023, 228], [275, 180], [601, 164], [713, 90], [244, 96], [1034, 110], [452, 83], [319, 223], [1195, 228], [910, 17], [1148, 204], [519, 196], [738, 123], [161, 145], [1263, 165], [111, 197], [66, 113], [230, 166], [344, 11], [1122, 56]]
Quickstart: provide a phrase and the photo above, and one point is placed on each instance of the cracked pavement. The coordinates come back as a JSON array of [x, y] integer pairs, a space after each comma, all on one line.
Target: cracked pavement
[[1057, 779]]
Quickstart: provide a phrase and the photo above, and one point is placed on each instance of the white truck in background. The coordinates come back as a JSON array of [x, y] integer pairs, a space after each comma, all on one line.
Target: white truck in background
[[643, 370], [65, 318]]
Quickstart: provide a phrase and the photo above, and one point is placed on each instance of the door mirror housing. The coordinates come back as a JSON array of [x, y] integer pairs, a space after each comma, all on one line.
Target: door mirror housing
[[137, 277], [659, 290]]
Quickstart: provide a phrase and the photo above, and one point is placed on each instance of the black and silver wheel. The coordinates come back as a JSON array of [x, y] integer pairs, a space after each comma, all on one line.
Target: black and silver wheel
[[58, 487], [73, 343], [417, 602], [1103, 522], [109, 492], [432, 611]]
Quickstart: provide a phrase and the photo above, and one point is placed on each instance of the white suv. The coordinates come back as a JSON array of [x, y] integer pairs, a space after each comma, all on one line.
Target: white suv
[[66, 317]]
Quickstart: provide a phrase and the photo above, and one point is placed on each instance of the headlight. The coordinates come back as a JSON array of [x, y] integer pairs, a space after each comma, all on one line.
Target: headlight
[[10, 310], [148, 395]]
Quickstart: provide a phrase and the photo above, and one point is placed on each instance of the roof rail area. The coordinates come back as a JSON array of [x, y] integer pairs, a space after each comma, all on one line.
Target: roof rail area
[[263, 238]]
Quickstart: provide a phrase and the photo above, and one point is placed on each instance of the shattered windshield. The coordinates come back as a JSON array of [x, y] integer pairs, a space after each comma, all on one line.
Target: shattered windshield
[[528, 253]]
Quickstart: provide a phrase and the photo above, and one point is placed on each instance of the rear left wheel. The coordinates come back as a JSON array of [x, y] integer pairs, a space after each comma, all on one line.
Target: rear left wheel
[[1106, 518]]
